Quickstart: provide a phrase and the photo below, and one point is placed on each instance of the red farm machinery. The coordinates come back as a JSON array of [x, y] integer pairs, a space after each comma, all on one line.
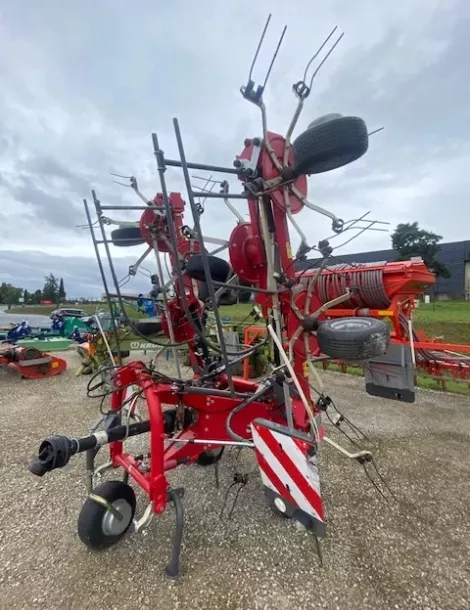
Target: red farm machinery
[[324, 312]]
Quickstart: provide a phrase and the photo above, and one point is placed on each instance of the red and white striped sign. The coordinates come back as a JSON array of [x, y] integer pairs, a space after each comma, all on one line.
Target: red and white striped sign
[[288, 470]]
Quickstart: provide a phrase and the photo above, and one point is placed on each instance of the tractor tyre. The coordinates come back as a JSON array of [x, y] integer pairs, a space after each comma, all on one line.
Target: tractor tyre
[[330, 144], [353, 339], [124, 237], [98, 527]]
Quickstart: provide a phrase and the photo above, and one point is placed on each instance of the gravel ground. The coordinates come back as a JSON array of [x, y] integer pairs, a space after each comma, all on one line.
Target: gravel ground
[[415, 554]]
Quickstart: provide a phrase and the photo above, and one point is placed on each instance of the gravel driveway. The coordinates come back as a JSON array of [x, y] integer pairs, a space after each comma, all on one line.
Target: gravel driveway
[[376, 556]]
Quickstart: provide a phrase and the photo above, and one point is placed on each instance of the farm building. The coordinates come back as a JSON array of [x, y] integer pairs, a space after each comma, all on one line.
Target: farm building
[[454, 255]]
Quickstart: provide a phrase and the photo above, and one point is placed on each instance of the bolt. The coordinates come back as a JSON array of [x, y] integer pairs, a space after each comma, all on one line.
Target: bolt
[[256, 141], [237, 163], [247, 142]]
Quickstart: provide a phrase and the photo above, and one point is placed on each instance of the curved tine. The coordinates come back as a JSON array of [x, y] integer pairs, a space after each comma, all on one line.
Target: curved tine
[[324, 59], [274, 56], [318, 52], [348, 225], [205, 179], [124, 281], [259, 47], [375, 131], [144, 272], [354, 236], [120, 176]]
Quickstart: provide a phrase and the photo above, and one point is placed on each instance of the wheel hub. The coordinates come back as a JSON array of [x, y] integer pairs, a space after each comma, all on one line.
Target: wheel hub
[[111, 525]]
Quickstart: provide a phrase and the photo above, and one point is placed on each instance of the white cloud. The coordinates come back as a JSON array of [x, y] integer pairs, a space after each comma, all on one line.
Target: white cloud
[[82, 86]]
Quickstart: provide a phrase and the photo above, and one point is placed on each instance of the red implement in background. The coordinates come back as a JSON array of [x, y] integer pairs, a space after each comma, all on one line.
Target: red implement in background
[[30, 363]]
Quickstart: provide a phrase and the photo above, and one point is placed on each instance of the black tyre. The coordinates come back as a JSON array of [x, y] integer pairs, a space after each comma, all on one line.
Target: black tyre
[[219, 269], [228, 297], [353, 338], [98, 528], [210, 457], [330, 144], [125, 237], [152, 326]]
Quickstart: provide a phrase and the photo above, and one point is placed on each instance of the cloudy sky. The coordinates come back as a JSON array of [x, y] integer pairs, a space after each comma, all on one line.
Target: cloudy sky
[[83, 85]]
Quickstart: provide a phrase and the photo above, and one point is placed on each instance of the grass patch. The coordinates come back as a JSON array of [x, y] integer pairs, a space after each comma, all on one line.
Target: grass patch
[[46, 310], [447, 319], [422, 381]]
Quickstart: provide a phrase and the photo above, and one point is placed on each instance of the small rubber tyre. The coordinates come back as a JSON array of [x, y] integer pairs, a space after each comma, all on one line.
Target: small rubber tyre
[[277, 511], [98, 528], [353, 338], [228, 297], [151, 326], [218, 267], [210, 457], [330, 144], [125, 237]]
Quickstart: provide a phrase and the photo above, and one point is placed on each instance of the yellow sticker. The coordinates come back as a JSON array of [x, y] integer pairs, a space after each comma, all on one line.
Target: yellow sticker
[[385, 312], [54, 365], [289, 250], [305, 369]]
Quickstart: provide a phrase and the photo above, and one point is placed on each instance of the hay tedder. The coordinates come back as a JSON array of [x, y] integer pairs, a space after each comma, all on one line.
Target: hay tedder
[[279, 418]]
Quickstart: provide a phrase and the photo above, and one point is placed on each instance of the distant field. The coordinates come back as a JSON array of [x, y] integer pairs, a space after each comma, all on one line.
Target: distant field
[[447, 319]]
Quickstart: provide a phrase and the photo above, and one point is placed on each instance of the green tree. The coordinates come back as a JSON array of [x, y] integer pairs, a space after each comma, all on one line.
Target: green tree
[[10, 294], [26, 297], [62, 294], [51, 288], [410, 240], [36, 297]]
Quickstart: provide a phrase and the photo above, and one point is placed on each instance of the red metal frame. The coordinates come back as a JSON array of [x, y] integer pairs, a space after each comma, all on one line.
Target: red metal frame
[[210, 425], [402, 281]]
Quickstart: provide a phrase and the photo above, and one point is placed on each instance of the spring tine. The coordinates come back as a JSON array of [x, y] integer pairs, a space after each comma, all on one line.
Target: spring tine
[[206, 179], [120, 176], [384, 482], [250, 74], [226, 498], [240, 487], [121, 183], [319, 51], [374, 483], [375, 131], [274, 56], [325, 58], [348, 241]]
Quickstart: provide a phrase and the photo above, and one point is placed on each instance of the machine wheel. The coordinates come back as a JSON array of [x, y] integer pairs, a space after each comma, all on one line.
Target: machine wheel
[[219, 268], [228, 297], [353, 338], [329, 144], [152, 326], [277, 505], [98, 528], [124, 237], [210, 457]]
